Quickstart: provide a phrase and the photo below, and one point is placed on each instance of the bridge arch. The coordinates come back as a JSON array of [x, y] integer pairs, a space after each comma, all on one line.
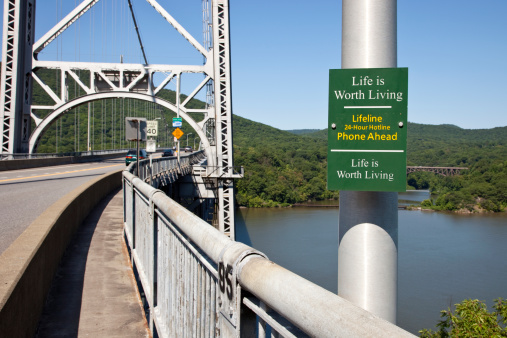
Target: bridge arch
[[45, 123]]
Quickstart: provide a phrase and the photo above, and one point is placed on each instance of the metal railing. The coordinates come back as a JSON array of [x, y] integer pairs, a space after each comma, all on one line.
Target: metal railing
[[166, 168], [200, 283]]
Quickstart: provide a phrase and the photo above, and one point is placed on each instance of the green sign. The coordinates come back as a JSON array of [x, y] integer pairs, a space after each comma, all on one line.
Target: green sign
[[367, 130], [177, 121]]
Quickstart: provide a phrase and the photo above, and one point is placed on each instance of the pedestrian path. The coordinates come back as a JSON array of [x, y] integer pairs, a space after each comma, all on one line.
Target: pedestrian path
[[94, 292]]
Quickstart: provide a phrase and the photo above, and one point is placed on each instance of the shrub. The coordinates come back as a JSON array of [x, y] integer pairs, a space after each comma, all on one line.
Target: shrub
[[472, 319]]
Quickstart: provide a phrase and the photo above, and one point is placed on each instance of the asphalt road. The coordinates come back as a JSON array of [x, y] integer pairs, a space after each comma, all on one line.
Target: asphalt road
[[25, 194]]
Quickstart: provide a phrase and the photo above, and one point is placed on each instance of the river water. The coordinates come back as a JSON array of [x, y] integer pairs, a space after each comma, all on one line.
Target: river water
[[443, 258]]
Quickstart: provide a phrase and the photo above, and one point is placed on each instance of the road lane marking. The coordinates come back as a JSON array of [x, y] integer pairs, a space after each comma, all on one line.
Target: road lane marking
[[54, 174]]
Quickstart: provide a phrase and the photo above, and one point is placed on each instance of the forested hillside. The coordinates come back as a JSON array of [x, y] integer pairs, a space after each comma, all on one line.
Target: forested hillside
[[483, 151], [281, 168], [444, 145]]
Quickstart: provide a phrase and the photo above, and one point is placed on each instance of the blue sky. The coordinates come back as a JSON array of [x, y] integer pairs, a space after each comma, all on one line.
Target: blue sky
[[456, 52]]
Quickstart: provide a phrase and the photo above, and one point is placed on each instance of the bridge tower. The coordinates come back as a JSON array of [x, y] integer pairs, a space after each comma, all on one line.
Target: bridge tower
[[16, 92], [120, 80]]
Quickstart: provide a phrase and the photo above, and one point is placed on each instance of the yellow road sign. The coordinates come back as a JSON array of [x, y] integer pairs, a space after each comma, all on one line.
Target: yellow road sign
[[178, 133]]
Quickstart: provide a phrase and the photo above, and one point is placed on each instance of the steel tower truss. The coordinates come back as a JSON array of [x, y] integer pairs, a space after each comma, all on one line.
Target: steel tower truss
[[109, 80], [16, 92]]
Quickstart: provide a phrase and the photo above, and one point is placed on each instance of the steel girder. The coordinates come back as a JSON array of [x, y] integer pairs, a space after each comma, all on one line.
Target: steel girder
[[44, 124], [16, 90], [223, 115]]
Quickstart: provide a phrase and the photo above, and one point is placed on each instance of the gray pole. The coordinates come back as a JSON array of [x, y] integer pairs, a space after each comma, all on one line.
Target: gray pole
[[178, 111], [368, 230], [88, 144]]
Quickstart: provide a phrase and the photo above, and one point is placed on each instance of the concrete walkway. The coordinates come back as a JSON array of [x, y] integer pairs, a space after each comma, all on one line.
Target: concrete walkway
[[94, 292]]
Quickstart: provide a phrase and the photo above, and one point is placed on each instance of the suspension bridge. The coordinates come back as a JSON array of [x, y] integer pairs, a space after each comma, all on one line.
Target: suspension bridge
[[178, 214]]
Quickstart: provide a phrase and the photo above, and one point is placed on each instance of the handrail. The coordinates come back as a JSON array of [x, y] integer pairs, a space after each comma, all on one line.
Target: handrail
[[198, 281], [150, 169]]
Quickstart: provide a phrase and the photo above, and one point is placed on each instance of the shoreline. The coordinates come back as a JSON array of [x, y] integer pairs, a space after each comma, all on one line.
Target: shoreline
[[400, 207], [302, 205]]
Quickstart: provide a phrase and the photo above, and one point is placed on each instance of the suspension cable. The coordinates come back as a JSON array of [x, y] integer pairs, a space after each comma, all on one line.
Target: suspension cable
[[137, 31]]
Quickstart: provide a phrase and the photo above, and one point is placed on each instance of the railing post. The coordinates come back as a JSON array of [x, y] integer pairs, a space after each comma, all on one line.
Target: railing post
[[133, 244], [154, 265]]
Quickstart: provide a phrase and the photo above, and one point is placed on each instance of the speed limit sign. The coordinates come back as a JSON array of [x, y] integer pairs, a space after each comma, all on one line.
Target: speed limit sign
[[152, 128]]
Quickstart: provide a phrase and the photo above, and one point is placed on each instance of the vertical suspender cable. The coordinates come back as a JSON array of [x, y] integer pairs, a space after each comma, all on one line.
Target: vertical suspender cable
[[75, 87], [114, 123], [57, 79], [103, 124]]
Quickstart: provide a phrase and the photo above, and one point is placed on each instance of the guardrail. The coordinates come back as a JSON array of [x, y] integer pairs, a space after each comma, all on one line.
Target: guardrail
[[198, 282], [29, 264], [165, 168]]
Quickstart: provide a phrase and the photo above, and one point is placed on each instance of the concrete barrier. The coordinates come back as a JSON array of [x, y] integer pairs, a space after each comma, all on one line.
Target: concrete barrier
[[28, 266], [52, 161]]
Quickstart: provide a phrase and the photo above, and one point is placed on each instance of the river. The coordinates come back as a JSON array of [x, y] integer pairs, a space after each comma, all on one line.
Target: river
[[443, 258]]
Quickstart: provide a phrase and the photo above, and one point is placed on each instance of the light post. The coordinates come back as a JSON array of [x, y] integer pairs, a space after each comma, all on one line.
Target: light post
[[187, 137]]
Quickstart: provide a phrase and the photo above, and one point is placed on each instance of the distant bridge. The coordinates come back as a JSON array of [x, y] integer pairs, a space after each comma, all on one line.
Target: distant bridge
[[444, 171]]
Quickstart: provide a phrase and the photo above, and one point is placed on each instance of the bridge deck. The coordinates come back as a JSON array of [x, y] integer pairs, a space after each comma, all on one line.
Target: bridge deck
[[94, 292]]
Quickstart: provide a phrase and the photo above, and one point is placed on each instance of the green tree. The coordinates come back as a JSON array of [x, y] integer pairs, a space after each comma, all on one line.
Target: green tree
[[471, 319]]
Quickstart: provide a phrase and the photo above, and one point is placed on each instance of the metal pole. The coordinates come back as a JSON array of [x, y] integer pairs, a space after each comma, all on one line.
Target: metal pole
[[368, 230], [138, 123], [88, 139], [178, 83]]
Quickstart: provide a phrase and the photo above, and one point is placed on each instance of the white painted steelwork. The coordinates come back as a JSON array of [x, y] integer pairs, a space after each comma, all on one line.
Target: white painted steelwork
[[55, 114], [200, 283], [223, 116], [16, 81], [65, 23], [109, 80], [368, 228]]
